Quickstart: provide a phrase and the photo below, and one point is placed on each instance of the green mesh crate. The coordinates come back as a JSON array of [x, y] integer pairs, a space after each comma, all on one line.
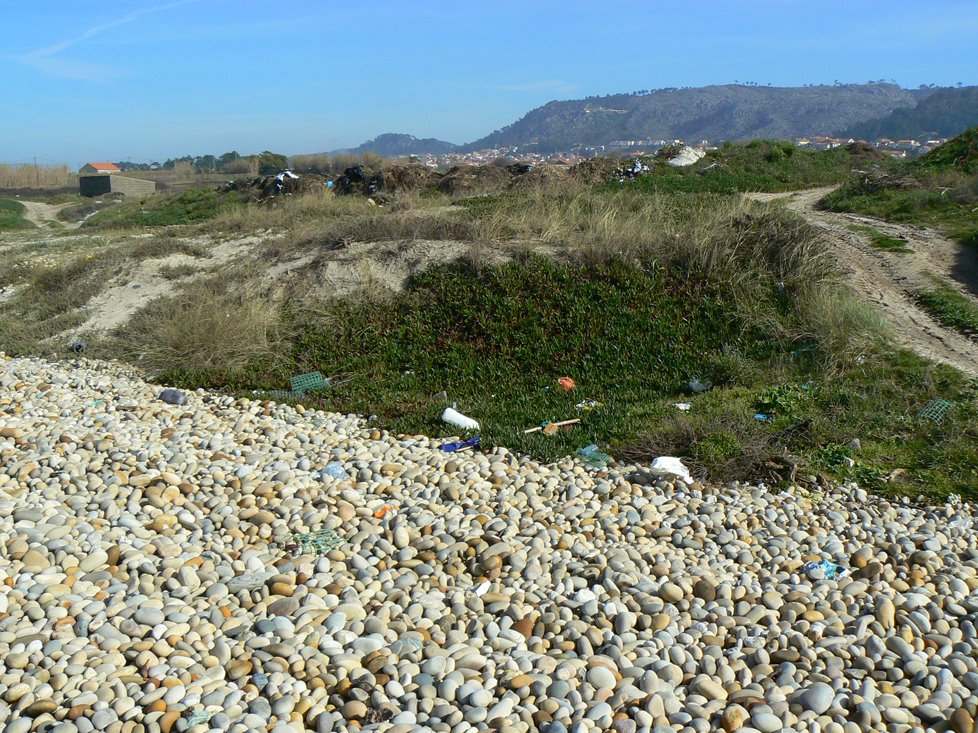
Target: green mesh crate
[[304, 383], [936, 410], [322, 541]]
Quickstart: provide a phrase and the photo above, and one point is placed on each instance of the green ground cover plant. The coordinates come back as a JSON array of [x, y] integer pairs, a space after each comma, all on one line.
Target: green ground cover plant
[[881, 241], [950, 307], [939, 190], [760, 165], [190, 207], [12, 216]]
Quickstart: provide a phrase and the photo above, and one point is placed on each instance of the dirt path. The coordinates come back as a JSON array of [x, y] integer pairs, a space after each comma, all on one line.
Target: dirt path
[[890, 279], [41, 214]]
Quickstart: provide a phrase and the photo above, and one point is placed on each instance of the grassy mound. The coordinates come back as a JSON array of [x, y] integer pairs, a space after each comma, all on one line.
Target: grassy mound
[[959, 153], [939, 189], [12, 216], [192, 206], [760, 165]]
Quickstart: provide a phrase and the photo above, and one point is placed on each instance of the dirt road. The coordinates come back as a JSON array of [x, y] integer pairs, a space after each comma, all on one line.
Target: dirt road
[[41, 214], [889, 280]]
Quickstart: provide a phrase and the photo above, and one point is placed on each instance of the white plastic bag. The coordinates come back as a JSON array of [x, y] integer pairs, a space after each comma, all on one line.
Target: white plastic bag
[[671, 465]]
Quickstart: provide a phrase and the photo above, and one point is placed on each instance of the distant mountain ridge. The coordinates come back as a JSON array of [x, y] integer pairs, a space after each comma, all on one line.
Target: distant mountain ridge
[[393, 144], [945, 113], [715, 113]]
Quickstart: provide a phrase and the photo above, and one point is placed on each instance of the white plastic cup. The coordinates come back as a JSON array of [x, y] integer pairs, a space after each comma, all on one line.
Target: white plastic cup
[[453, 417]]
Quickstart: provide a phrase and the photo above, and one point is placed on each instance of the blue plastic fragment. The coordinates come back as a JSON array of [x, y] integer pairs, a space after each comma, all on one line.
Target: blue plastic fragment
[[462, 444], [592, 457], [762, 417], [334, 469], [824, 569]]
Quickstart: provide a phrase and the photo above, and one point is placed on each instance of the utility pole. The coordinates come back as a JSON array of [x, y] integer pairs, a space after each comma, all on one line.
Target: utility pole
[[37, 174]]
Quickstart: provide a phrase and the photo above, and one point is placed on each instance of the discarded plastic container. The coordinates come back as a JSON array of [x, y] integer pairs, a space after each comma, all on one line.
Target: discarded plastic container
[[592, 457], [671, 465], [683, 406], [462, 444], [173, 397], [762, 417], [334, 469], [824, 570], [77, 347], [698, 386], [453, 417]]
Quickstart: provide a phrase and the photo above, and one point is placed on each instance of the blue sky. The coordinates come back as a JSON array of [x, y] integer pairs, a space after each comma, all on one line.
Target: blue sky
[[151, 80]]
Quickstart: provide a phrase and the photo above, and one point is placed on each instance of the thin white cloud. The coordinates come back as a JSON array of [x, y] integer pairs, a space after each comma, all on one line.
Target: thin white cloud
[[46, 60]]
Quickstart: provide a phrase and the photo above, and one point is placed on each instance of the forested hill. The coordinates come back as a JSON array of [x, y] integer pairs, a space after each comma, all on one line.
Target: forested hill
[[724, 112], [945, 113]]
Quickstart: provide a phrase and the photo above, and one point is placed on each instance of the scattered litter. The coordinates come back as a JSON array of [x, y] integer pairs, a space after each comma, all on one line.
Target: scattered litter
[[196, 717], [481, 589], [549, 428], [334, 469], [414, 641], [936, 410], [173, 397], [566, 383], [592, 457], [379, 514], [698, 386], [588, 405], [824, 570], [249, 581], [96, 403], [271, 186], [685, 156], [453, 417], [77, 346], [671, 465], [302, 384], [322, 541], [683, 406], [762, 417], [462, 445]]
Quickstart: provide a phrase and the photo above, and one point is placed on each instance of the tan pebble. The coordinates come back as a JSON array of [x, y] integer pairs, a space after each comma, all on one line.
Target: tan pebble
[[732, 718], [525, 626], [280, 588], [962, 722], [168, 721], [77, 711], [39, 707]]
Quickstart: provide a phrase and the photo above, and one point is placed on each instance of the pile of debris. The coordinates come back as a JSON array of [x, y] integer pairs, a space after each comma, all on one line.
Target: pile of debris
[[541, 175], [358, 180], [596, 170], [876, 179], [285, 183], [467, 180], [410, 177]]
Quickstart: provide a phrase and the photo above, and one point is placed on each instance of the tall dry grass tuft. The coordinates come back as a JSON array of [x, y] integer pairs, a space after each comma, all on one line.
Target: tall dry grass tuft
[[36, 176], [209, 325]]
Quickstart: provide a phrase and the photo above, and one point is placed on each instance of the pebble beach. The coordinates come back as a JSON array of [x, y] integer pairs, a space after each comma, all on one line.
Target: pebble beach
[[243, 565]]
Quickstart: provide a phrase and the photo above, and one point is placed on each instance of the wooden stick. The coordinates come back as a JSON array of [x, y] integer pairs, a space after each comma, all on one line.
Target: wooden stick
[[558, 424]]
